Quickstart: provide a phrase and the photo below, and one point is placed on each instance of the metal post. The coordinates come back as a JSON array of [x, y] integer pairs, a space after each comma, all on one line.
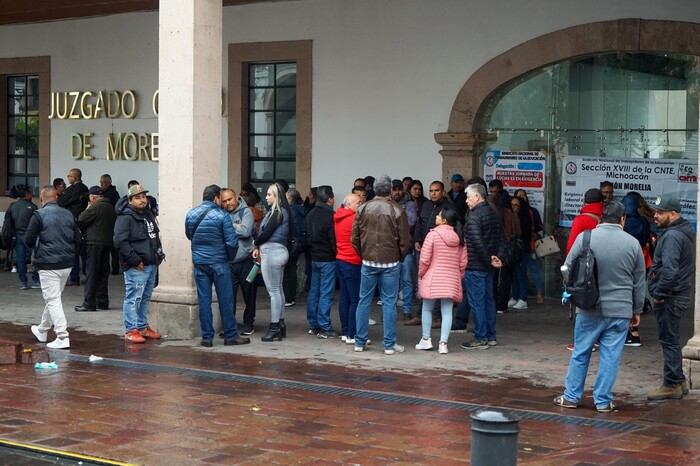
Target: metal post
[[494, 439]]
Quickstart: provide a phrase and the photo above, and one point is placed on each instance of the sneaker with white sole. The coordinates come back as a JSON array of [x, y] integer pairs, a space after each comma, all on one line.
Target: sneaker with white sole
[[59, 343], [41, 336], [393, 350], [521, 305], [442, 348], [512, 302], [359, 349], [372, 322], [425, 344], [492, 342]]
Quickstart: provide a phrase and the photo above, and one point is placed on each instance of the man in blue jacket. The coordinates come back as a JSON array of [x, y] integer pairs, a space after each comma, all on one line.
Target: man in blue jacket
[[53, 233], [214, 245]]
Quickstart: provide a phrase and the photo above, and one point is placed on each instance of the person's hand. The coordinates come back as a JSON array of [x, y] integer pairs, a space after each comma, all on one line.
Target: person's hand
[[635, 320], [140, 267], [256, 253], [417, 246], [659, 301], [496, 262]]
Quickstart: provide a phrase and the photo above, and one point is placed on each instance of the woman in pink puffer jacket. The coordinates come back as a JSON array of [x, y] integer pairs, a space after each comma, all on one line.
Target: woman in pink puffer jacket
[[443, 259]]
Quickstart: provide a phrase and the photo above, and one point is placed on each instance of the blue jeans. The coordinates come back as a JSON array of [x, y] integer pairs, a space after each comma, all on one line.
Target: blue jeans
[[388, 281], [534, 266], [23, 252], [462, 313], [407, 282], [137, 295], [349, 278], [320, 300], [219, 275], [480, 291], [668, 316], [519, 285], [611, 335]]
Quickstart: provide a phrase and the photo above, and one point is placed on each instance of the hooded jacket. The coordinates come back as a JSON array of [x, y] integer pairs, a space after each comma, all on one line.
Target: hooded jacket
[[343, 219], [584, 221], [673, 268], [136, 236], [442, 263], [635, 224], [244, 224]]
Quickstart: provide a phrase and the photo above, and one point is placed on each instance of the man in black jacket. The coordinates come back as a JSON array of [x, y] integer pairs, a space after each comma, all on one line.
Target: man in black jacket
[[136, 236], [670, 283], [20, 213], [97, 221], [111, 193], [320, 233], [75, 199], [483, 235], [53, 232], [426, 217]]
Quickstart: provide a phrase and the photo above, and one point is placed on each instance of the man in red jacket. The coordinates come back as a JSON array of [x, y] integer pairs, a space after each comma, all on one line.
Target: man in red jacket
[[348, 266], [589, 217]]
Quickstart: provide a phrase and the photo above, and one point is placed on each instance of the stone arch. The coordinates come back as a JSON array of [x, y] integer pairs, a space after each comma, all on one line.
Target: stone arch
[[461, 143]]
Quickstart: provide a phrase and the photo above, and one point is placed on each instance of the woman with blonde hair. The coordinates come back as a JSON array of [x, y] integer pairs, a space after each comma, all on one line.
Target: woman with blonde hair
[[271, 247]]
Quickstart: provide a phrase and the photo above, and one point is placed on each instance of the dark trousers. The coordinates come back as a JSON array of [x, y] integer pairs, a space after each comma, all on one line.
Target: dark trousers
[[289, 282], [668, 315], [502, 281], [78, 257], [239, 272], [97, 276], [115, 260], [461, 318]]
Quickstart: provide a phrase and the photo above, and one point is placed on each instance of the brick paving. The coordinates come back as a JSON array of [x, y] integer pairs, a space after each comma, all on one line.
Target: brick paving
[[174, 403]]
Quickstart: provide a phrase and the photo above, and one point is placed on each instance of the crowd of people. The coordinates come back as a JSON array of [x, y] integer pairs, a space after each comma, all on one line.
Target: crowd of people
[[460, 253]]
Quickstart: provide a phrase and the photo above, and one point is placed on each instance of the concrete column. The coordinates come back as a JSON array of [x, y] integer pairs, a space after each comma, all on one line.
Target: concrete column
[[691, 351], [189, 123]]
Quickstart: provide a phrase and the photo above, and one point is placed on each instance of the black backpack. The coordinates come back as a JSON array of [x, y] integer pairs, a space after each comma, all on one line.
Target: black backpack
[[582, 283]]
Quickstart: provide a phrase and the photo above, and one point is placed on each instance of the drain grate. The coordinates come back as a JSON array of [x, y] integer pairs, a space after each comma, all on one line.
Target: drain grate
[[355, 393]]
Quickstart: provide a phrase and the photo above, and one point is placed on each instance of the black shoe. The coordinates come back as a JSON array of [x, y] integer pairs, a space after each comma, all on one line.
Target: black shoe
[[289, 303], [103, 306], [283, 329], [237, 341], [81, 308], [72, 284], [274, 332], [328, 334], [314, 330], [206, 343], [247, 330]]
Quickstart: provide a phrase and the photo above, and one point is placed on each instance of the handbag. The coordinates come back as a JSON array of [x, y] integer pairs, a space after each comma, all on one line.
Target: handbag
[[546, 246]]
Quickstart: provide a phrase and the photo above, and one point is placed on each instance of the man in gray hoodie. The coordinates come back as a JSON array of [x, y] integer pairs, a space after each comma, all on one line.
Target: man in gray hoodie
[[620, 272], [243, 222]]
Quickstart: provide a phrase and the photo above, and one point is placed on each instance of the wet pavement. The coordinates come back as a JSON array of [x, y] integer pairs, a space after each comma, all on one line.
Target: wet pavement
[[306, 400]]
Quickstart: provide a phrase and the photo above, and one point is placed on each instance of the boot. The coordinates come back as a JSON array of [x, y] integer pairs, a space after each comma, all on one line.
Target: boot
[[283, 329], [275, 331], [667, 392], [408, 319]]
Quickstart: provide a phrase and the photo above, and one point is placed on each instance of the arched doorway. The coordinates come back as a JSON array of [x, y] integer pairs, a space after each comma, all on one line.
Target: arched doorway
[[465, 141]]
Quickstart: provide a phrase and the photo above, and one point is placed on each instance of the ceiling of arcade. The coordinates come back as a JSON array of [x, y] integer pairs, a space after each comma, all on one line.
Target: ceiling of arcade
[[35, 11]]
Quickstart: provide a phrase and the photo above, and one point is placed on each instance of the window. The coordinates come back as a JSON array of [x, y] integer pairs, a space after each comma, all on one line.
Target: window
[[272, 118], [23, 131]]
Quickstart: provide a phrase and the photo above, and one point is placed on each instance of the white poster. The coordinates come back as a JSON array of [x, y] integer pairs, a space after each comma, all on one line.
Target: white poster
[[649, 177], [518, 170]]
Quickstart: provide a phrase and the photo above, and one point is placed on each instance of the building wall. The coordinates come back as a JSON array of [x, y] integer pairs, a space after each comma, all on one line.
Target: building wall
[[385, 72]]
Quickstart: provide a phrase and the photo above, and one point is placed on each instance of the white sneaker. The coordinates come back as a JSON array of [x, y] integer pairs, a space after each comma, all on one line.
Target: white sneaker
[[379, 302], [351, 341], [344, 339], [520, 305], [512, 302], [359, 349], [372, 322], [442, 348], [425, 344], [59, 343], [393, 350], [41, 336]]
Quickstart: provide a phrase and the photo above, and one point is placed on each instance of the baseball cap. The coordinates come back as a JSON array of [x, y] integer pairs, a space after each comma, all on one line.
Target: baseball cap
[[96, 191], [396, 184], [593, 195], [667, 202], [136, 189], [456, 177]]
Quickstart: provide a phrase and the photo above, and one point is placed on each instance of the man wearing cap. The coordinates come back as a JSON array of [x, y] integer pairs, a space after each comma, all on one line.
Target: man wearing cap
[[97, 221], [458, 196], [136, 236], [670, 283], [406, 281]]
